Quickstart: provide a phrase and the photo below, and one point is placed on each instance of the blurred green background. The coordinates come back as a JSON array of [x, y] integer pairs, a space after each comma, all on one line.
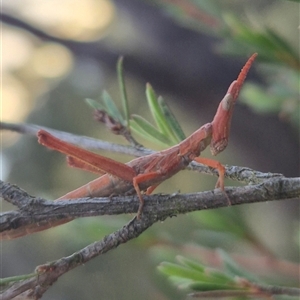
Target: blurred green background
[[57, 53]]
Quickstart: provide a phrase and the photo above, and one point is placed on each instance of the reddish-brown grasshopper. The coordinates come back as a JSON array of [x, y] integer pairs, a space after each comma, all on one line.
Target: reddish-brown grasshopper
[[147, 172]]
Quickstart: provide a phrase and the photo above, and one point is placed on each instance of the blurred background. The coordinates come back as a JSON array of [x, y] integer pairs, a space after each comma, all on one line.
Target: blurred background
[[57, 53]]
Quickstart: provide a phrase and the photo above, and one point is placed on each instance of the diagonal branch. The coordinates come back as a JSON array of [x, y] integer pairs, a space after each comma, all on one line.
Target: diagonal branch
[[47, 274], [83, 141], [157, 207], [33, 211]]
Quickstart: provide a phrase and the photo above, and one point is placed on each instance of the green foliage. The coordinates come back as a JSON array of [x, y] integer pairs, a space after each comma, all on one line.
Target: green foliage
[[280, 97], [146, 129], [241, 38], [196, 276], [170, 119], [167, 131], [241, 31], [224, 220], [231, 267], [106, 104], [225, 227], [122, 87], [5, 282]]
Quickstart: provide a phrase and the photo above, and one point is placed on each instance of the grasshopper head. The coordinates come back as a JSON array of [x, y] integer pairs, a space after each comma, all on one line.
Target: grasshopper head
[[222, 120]]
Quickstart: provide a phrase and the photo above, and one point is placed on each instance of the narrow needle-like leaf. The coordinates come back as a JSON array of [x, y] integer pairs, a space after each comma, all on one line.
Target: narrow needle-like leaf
[[157, 113], [9, 280], [95, 104], [170, 118], [123, 90], [143, 127], [111, 108]]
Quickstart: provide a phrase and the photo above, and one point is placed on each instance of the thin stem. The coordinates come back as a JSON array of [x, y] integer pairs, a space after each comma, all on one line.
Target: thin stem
[[83, 141], [47, 274], [260, 290]]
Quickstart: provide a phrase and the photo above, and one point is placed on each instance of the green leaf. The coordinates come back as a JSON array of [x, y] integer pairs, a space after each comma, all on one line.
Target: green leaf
[[232, 267], [172, 269], [280, 42], [111, 108], [144, 128], [225, 220], [244, 34], [282, 50], [201, 286], [94, 104], [123, 90], [242, 39], [172, 122], [9, 280], [190, 263], [157, 114], [221, 277], [260, 100], [215, 238], [208, 14]]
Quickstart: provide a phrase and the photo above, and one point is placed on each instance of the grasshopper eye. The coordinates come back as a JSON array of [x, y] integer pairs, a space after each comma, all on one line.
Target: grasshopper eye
[[227, 102]]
